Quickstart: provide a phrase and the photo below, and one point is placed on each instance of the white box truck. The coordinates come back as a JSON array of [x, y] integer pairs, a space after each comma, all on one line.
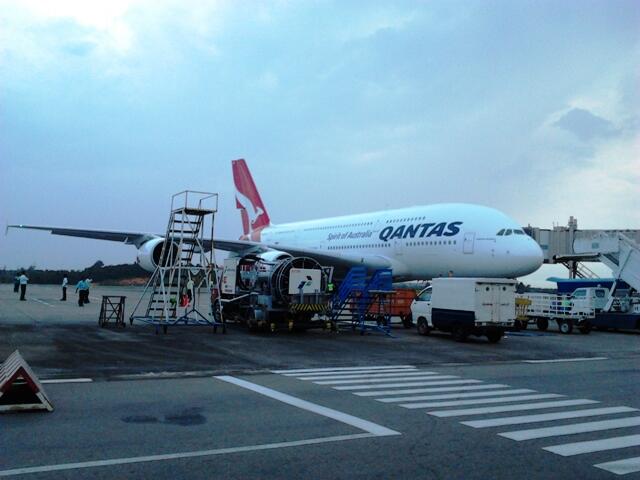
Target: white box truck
[[466, 306]]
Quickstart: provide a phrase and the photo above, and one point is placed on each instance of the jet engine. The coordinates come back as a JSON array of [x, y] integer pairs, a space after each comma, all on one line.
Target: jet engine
[[148, 256]]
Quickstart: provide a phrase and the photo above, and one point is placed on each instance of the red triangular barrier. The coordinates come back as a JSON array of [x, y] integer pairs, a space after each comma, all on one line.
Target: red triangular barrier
[[20, 388]]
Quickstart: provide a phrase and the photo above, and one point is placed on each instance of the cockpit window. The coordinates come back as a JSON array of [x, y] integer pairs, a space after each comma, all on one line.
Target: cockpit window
[[508, 232], [518, 232], [501, 232]]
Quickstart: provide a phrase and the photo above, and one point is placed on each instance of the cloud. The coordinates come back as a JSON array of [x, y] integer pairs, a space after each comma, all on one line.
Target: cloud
[[585, 125]]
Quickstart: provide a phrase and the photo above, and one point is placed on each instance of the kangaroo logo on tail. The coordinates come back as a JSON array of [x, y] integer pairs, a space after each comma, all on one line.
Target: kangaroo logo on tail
[[252, 211]]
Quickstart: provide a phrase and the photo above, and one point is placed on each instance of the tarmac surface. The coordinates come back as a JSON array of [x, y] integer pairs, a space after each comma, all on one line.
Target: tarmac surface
[[130, 403]]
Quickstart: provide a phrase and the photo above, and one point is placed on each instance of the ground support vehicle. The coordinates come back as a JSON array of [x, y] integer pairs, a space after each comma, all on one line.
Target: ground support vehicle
[[274, 294], [466, 306], [397, 304], [621, 254], [546, 307], [624, 314], [616, 321]]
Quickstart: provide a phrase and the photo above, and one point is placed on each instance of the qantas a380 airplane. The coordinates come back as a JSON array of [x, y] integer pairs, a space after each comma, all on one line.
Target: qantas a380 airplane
[[418, 243]]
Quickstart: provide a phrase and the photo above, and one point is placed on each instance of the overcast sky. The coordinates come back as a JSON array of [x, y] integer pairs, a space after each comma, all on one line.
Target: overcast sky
[[107, 108]]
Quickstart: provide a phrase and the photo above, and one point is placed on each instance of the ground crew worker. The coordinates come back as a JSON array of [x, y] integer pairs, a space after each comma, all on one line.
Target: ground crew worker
[[65, 282], [23, 285], [81, 288], [190, 289], [86, 292], [16, 283]]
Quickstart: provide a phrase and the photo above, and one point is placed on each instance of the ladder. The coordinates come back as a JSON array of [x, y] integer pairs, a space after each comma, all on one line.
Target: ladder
[[186, 267]]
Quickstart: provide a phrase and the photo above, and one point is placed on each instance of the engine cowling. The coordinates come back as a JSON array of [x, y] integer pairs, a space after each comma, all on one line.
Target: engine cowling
[[149, 253], [274, 256]]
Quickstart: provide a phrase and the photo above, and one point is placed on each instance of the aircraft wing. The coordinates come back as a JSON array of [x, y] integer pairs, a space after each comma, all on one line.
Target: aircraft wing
[[338, 260], [130, 238]]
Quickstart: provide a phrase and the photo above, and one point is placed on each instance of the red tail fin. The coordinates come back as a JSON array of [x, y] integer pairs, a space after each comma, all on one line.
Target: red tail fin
[[252, 211]]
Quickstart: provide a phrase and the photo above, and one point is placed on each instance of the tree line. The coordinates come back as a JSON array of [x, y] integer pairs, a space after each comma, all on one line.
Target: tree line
[[98, 272]]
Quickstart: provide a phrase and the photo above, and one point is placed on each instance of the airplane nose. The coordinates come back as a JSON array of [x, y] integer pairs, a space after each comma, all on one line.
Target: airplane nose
[[533, 255]]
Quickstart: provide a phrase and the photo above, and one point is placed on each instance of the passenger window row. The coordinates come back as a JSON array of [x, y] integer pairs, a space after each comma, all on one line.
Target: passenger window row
[[331, 227], [409, 244], [411, 219]]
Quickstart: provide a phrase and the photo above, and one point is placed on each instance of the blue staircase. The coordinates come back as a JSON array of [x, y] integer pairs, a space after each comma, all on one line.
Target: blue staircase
[[356, 294], [350, 292], [381, 280]]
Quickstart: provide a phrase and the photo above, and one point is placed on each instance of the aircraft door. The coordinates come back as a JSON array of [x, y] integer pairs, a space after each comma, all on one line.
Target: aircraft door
[[469, 238], [397, 247]]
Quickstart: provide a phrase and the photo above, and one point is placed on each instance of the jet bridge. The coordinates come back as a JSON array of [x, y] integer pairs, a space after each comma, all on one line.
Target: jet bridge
[[618, 252], [560, 246]]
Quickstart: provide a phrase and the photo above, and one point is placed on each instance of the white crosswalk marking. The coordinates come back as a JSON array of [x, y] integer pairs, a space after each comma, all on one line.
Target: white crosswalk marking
[[510, 408], [572, 429], [379, 393], [481, 401], [546, 417], [412, 388], [340, 369], [369, 375], [382, 380], [454, 395], [578, 448], [621, 467], [407, 384]]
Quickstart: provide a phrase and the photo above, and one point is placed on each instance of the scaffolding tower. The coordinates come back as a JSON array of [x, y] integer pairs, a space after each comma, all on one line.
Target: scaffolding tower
[[186, 268]]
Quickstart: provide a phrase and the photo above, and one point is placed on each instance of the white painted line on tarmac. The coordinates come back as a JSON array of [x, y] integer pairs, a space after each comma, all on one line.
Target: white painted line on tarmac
[[621, 467], [351, 372], [340, 369], [349, 375], [407, 384], [530, 434], [342, 417], [399, 378], [560, 360], [67, 380], [419, 398], [175, 456], [578, 448], [546, 417], [378, 393], [511, 408], [481, 401], [42, 302]]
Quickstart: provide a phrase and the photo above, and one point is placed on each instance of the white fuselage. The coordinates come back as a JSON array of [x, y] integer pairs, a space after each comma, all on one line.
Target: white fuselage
[[421, 242]]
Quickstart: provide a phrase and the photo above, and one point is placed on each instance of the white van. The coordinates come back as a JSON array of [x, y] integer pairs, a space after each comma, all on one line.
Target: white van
[[466, 306]]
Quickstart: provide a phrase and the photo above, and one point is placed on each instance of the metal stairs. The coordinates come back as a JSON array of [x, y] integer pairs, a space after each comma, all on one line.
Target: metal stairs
[[185, 268], [355, 296]]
